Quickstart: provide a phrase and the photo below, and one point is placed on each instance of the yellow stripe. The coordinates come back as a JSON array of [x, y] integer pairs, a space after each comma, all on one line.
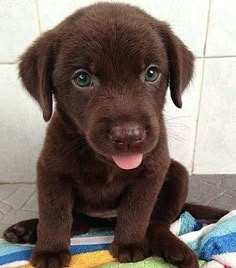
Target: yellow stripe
[[87, 260]]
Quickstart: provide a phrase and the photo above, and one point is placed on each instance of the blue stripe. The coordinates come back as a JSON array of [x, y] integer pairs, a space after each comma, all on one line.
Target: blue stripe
[[16, 256], [188, 223], [218, 245], [6, 248], [88, 248], [198, 225], [25, 254]]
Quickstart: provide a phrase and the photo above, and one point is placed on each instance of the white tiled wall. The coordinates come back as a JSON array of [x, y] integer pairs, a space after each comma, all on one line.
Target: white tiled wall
[[202, 135], [216, 137]]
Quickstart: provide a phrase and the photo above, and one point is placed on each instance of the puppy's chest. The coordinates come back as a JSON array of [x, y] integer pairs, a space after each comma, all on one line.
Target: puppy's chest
[[99, 193]]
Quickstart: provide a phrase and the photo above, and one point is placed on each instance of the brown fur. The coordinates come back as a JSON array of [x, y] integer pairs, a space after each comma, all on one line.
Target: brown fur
[[76, 176]]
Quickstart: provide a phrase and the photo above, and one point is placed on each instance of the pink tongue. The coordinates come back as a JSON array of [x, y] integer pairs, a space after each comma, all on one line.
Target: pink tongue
[[128, 161]]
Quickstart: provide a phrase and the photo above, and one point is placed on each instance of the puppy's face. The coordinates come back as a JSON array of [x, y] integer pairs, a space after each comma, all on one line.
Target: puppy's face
[[109, 67]]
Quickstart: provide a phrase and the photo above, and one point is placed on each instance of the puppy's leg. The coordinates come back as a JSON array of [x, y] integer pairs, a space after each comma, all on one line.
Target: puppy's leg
[[134, 213], [26, 231], [169, 205], [204, 212], [55, 200]]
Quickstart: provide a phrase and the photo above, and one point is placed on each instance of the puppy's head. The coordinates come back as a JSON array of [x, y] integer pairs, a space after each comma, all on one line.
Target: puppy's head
[[108, 67]]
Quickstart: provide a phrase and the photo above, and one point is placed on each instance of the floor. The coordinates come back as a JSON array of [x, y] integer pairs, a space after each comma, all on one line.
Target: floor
[[18, 201]]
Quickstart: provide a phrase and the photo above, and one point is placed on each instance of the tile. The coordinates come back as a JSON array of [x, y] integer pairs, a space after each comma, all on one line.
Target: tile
[[181, 123], [1, 215], [211, 179], [20, 196], [229, 182], [216, 135], [232, 193], [221, 39], [201, 192], [18, 215], [224, 201], [22, 129], [7, 189], [18, 27], [4, 208], [181, 14], [31, 204]]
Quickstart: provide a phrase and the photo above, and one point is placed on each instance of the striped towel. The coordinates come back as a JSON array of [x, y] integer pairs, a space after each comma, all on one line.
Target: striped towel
[[16, 255], [215, 243]]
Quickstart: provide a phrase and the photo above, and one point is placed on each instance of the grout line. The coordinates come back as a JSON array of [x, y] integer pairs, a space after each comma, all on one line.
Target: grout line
[[9, 63], [197, 121], [207, 27], [37, 15], [4, 200], [201, 90], [216, 57], [209, 183], [228, 193], [215, 197], [7, 183], [27, 200]]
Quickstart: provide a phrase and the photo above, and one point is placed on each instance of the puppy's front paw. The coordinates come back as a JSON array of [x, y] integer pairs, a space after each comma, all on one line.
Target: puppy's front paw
[[180, 255], [129, 252], [47, 259], [173, 250]]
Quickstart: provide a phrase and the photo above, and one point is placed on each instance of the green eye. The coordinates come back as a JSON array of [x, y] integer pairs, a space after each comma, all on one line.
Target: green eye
[[151, 74], [83, 79]]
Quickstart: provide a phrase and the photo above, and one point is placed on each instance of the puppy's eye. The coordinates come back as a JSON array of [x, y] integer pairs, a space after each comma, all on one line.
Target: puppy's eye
[[83, 79], [152, 74]]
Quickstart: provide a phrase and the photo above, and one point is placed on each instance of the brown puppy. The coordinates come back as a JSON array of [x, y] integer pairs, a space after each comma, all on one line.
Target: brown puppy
[[108, 67]]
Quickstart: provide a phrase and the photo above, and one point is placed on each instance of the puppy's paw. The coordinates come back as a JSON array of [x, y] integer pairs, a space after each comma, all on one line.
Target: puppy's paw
[[22, 232], [181, 256], [49, 259], [174, 251], [129, 253]]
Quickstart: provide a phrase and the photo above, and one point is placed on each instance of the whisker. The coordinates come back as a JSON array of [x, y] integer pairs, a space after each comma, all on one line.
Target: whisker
[[177, 117], [176, 138]]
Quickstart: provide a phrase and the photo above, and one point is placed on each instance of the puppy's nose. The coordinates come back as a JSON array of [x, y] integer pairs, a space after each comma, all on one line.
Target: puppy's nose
[[127, 134]]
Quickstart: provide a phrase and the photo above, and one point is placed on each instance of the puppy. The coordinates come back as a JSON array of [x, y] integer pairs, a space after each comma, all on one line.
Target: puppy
[[108, 67]]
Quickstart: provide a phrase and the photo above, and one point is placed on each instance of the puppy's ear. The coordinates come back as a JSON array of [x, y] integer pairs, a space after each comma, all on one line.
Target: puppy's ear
[[181, 63], [35, 70]]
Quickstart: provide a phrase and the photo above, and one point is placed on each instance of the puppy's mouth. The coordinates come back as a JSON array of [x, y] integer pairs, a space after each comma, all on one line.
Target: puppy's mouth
[[128, 160], [124, 145]]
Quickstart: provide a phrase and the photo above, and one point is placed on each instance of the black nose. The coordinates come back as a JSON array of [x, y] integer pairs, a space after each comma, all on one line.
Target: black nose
[[127, 134]]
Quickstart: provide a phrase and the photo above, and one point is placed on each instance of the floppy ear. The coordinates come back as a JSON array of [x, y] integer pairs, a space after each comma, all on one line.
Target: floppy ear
[[181, 63], [35, 70]]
